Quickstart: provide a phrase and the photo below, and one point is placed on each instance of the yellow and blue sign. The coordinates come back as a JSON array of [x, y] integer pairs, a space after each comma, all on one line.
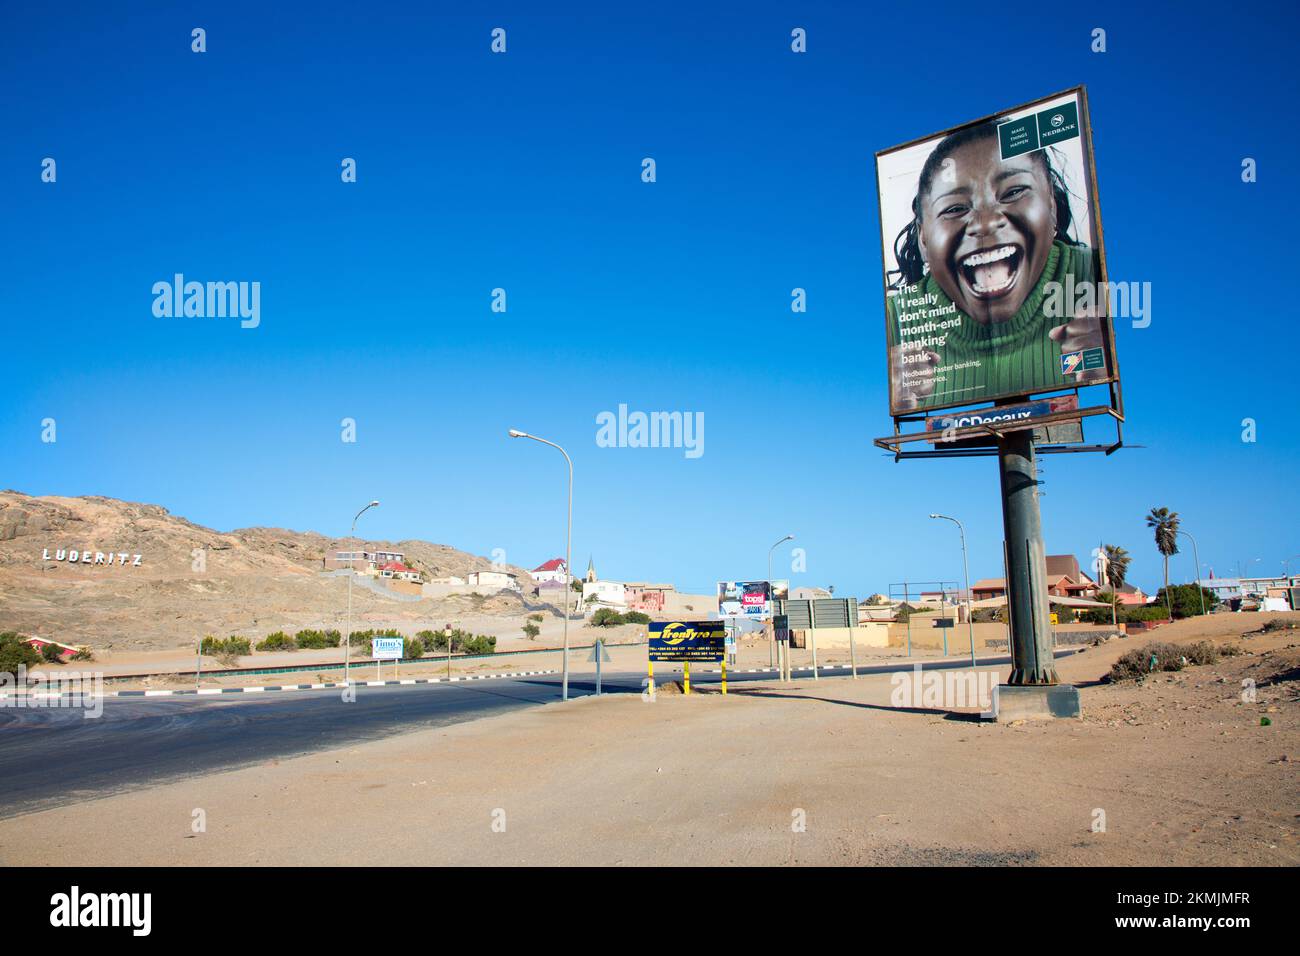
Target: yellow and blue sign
[[687, 640]]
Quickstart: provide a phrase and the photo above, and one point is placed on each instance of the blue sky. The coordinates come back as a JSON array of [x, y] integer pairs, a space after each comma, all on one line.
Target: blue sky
[[522, 171]]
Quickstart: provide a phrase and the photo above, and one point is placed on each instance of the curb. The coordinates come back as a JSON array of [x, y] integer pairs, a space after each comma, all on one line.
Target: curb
[[215, 691]]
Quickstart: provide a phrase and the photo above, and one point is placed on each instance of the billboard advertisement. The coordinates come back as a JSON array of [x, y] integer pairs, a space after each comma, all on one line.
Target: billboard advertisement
[[687, 641], [744, 598], [993, 264]]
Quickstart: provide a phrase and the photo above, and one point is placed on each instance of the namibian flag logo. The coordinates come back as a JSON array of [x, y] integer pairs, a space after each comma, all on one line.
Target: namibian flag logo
[[1071, 362]]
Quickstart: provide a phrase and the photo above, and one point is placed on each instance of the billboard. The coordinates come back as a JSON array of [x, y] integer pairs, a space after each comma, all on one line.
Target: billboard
[[994, 270], [687, 640], [744, 598], [386, 648]]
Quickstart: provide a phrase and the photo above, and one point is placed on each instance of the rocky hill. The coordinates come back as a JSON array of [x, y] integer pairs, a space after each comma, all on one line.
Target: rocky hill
[[145, 578]]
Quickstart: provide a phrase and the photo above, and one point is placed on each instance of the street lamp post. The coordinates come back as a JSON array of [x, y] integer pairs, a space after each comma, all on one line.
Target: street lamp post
[[347, 633], [771, 647], [568, 551], [970, 621], [1197, 558]]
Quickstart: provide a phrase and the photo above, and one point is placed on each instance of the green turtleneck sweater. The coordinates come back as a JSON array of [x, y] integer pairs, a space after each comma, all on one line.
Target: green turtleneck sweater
[[978, 361]]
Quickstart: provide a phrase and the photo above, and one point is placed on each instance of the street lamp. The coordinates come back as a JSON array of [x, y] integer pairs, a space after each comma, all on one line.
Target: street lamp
[[347, 633], [970, 621], [1197, 558], [568, 551], [771, 647]]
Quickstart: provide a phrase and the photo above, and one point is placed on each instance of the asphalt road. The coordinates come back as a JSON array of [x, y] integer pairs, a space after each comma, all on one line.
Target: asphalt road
[[55, 756]]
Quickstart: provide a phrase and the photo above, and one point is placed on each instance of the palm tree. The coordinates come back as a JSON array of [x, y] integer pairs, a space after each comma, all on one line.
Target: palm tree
[[1165, 523], [1117, 562]]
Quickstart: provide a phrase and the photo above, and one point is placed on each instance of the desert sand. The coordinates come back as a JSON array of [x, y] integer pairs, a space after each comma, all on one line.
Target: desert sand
[[812, 772]]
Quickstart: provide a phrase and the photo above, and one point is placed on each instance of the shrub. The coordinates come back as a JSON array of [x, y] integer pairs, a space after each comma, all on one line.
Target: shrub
[[1186, 601], [51, 654], [333, 638], [82, 654], [606, 617], [481, 644], [309, 639], [536, 617], [1168, 657], [412, 647], [226, 651], [636, 617], [279, 641], [531, 630], [15, 654]]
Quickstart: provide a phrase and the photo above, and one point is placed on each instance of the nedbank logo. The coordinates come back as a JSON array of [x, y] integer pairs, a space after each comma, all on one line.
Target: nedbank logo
[[1058, 119]]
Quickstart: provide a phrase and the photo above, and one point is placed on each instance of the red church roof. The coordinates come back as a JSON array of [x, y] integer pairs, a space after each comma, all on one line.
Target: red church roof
[[555, 564]]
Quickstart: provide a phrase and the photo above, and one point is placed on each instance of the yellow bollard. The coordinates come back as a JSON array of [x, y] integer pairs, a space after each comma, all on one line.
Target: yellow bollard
[[724, 675], [686, 682]]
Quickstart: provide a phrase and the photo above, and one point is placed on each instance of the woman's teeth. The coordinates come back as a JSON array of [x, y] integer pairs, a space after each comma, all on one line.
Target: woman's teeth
[[992, 271], [993, 255]]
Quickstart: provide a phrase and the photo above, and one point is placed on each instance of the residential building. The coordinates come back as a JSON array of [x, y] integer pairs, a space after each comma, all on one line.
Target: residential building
[[553, 570], [364, 561], [647, 598], [399, 572], [493, 581]]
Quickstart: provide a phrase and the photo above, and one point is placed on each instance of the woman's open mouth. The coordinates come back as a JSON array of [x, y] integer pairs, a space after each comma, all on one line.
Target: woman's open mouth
[[992, 273]]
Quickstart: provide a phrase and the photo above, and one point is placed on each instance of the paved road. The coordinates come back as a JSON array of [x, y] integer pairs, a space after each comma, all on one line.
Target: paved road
[[55, 756]]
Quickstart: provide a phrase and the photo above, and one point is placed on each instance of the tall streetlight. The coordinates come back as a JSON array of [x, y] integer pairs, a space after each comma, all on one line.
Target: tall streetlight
[[970, 621], [568, 551], [347, 633], [771, 647], [1197, 558]]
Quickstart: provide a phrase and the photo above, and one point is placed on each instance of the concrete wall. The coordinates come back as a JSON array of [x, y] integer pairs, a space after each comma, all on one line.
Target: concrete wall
[[864, 635]]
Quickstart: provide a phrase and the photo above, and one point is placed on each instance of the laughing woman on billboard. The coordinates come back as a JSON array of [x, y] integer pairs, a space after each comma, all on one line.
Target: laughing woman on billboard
[[970, 306]]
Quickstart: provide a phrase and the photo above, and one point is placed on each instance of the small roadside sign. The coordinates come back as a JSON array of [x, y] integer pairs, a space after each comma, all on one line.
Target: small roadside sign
[[598, 653], [386, 648]]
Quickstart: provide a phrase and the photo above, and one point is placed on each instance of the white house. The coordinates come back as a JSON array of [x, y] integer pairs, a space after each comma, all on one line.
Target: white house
[[493, 581], [553, 570], [604, 594]]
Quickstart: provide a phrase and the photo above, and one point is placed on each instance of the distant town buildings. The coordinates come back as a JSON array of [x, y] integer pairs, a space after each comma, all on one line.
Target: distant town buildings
[[554, 570], [493, 581], [1065, 579], [366, 562]]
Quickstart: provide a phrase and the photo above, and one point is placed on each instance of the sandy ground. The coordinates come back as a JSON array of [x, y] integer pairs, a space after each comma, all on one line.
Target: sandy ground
[[814, 772]]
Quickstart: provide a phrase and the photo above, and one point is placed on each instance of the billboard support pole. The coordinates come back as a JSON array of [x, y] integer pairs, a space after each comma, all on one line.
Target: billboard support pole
[[1031, 648], [686, 679]]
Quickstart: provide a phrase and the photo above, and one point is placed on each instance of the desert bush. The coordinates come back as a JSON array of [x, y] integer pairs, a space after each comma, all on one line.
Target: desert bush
[[606, 617], [636, 617], [279, 641], [1186, 600], [51, 654], [531, 630], [15, 654], [82, 654], [310, 639], [480, 644], [1167, 657], [333, 638], [412, 647], [536, 617]]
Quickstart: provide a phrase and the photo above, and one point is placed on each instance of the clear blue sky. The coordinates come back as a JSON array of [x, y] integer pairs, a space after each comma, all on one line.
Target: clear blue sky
[[522, 171]]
